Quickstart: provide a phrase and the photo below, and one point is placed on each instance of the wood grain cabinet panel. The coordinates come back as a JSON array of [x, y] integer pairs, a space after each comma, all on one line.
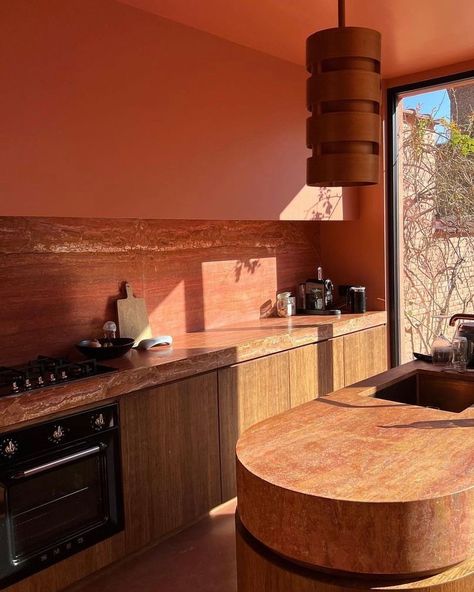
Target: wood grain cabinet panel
[[365, 354], [330, 364], [316, 370], [170, 446], [248, 393], [303, 374]]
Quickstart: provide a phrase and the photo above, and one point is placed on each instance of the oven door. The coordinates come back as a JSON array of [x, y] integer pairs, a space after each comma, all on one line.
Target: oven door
[[50, 505]]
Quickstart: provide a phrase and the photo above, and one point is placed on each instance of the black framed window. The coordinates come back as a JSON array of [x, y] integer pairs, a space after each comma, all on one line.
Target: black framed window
[[430, 133]]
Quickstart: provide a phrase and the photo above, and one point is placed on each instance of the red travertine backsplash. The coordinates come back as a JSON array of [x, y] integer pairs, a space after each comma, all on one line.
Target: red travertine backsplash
[[60, 277]]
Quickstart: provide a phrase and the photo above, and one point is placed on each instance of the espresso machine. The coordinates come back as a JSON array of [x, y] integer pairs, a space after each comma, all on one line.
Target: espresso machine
[[316, 295]]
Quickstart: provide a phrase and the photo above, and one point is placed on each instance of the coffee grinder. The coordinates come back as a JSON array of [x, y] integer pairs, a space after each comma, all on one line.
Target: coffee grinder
[[315, 296]]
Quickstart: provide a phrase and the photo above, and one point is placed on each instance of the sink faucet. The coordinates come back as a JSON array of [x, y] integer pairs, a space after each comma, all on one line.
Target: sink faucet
[[461, 315]]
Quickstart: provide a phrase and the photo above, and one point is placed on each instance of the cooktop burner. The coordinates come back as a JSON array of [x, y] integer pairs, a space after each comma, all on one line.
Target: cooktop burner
[[45, 371]]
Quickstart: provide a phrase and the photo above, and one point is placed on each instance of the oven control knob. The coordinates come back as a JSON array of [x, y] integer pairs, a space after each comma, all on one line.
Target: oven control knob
[[57, 435], [8, 447], [98, 422]]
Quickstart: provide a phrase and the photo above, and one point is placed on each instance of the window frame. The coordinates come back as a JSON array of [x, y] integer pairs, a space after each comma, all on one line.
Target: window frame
[[393, 206]]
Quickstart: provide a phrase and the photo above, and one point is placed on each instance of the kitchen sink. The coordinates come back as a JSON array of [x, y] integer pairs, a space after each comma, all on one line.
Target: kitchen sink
[[439, 391]]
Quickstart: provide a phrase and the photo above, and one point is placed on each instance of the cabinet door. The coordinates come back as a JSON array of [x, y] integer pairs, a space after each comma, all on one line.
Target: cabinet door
[[316, 370], [365, 354], [248, 393], [170, 449]]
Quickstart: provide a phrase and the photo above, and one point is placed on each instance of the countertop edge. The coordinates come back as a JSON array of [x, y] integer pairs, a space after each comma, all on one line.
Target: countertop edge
[[280, 335]]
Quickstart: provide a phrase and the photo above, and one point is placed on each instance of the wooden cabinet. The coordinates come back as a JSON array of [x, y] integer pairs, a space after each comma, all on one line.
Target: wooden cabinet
[[248, 393], [315, 370], [178, 439], [170, 445], [365, 354], [321, 368]]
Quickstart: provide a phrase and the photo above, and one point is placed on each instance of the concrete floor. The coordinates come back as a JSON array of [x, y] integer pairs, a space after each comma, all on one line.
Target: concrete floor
[[199, 559]]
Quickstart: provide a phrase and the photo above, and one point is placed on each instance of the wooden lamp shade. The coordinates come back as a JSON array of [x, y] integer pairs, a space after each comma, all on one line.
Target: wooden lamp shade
[[344, 93]]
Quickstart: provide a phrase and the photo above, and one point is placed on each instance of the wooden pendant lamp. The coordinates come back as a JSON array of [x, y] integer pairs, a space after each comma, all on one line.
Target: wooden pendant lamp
[[344, 94]]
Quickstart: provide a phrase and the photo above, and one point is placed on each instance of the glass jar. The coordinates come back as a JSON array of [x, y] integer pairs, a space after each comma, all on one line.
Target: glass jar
[[285, 304], [459, 353], [441, 351]]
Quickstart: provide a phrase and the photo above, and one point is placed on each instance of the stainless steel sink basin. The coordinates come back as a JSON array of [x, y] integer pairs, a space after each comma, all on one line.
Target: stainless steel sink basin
[[440, 391]]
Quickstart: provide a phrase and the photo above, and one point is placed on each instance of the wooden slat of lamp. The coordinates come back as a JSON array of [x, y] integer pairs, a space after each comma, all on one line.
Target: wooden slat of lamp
[[344, 95]]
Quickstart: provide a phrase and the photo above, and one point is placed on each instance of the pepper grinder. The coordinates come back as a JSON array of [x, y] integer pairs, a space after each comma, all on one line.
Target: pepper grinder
[[109, 329]]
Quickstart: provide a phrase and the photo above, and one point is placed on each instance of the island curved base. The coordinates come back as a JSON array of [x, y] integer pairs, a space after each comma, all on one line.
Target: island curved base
[[261, 570], [354, 483]]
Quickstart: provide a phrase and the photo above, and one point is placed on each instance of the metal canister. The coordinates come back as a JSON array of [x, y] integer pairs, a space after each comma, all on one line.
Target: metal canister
[[357, 299]]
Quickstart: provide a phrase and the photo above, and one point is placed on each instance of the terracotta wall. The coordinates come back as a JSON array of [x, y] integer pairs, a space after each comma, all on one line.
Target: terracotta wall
[[110, 111], [354, 251], [59, 278]]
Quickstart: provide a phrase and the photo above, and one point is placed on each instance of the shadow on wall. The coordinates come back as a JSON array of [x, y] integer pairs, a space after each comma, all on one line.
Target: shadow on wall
[[328, 201], [322, 203], [247, 265]]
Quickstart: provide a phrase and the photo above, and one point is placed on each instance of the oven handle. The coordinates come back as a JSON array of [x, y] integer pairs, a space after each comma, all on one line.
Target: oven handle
[[59, 462]]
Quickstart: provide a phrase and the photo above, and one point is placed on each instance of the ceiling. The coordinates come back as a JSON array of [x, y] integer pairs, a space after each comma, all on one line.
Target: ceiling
[[417, 34]]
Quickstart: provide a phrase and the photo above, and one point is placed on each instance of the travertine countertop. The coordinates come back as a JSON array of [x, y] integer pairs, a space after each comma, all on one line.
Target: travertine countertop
[[191, 353], [361, 484]]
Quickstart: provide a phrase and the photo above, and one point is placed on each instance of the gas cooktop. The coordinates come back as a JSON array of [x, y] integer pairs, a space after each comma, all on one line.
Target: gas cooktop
[[45, 372]]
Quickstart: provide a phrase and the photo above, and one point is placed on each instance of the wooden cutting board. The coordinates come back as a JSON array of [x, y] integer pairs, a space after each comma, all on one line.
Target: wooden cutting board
[[133, 317]]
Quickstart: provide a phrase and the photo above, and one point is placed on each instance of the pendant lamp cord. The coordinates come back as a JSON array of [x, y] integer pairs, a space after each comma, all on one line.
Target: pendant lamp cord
[[341, 11]]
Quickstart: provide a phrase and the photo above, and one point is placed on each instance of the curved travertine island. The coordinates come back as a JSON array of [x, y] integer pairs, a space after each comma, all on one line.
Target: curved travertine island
[[355, 484]]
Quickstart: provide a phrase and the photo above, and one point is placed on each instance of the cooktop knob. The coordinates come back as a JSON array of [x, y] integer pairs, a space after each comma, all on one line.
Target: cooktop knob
[[8, 447], [57, 435], [98, 421]]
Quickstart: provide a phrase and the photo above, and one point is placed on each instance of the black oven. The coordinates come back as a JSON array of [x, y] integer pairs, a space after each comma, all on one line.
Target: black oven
[[60, 490]]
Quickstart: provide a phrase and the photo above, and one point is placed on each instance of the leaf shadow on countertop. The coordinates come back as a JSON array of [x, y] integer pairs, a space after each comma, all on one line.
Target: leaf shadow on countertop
[[323, 399], [434, 424]]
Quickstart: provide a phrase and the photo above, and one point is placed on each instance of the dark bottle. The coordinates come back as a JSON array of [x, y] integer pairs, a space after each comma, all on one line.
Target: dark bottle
[[357, 300]]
